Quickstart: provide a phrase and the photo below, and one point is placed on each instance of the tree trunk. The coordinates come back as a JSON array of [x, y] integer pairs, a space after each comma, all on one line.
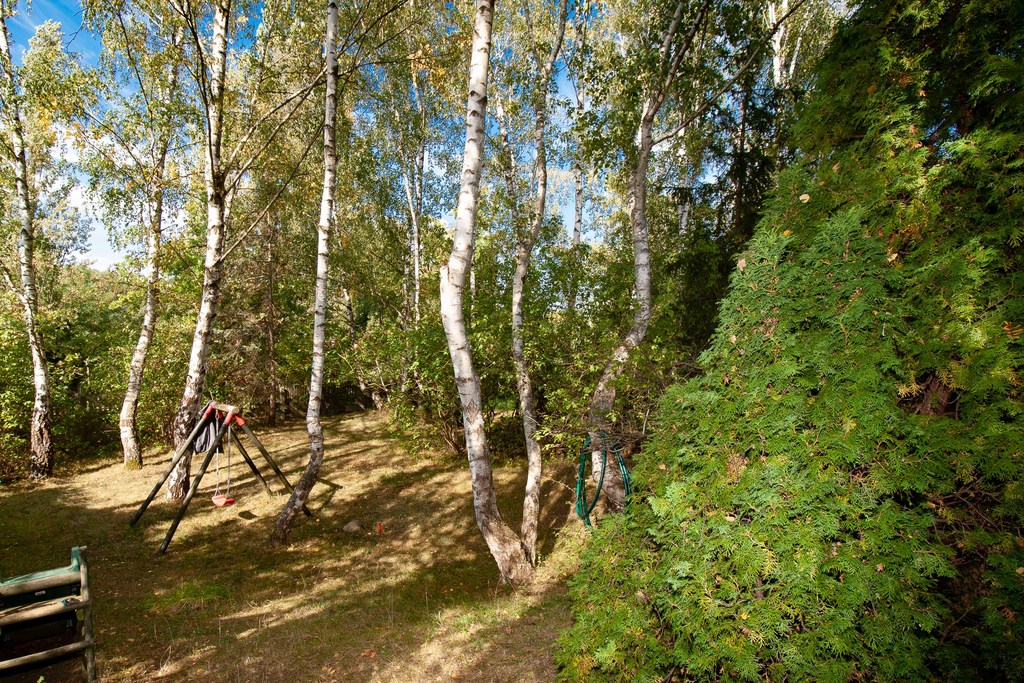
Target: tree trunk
[[275, 382], [300, 494], [778, 41], [638, 155], [217, 211], [524, 382], [413, 183], [129, 432], [604, 395], [128, 428], [41, 438], [502, 542], [577, 226]]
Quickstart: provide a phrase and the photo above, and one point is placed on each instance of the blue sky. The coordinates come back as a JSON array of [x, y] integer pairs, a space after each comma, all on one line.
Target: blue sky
[[69, 14]]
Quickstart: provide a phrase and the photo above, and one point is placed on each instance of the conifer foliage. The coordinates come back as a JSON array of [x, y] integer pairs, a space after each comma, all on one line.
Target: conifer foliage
[[839, 496]]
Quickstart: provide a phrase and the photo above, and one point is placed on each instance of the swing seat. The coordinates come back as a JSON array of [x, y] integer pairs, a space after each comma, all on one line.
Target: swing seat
[[220, 500]]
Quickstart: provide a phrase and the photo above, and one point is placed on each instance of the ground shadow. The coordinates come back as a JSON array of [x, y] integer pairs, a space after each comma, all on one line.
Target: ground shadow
[[390, 602]]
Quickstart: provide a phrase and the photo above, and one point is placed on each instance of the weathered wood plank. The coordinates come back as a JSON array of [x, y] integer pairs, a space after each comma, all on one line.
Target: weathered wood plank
[[46, 655], [22, 613]]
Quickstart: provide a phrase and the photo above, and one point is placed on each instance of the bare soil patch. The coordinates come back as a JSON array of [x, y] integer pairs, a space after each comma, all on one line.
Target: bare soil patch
[[420, 601]]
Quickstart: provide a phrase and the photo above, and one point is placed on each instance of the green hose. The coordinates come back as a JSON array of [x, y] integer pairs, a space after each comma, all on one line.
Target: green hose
[[583, 509]]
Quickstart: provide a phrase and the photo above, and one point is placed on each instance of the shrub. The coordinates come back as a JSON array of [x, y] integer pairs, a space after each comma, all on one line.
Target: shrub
[[839, 495]]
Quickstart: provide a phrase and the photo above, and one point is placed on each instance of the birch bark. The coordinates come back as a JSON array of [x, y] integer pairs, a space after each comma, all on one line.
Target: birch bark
[[300, 493], [524, 252], [502, 542], [129, 407], [671, 55], [218, 203], [41, 438]]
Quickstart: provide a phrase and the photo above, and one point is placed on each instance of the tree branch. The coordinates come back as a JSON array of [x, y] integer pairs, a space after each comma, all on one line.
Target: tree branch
[[728, 85], [273, 200]]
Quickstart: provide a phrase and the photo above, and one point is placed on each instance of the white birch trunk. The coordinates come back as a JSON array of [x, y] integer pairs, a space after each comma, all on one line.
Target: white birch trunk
[[502, 542], [524, 382], [41, 437], [778, 38], [577, 233], [313, 426], [271, 321], [217, 209], [129, 432], [577, 226], [129, 407], [524, 252], [603, 400]]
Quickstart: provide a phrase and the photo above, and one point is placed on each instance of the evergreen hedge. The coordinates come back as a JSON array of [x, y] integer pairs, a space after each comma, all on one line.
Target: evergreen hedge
[[839, 496]]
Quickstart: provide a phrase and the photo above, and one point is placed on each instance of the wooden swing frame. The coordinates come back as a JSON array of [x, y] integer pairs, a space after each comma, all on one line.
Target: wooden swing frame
[[223, 415]]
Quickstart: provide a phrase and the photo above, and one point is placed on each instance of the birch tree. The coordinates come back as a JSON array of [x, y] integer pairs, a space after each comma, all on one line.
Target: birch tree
[[683, 53], [671, 55], [129, 156], [355, 46], [542, 67], [323, 231], [503, 543], [210, 72], [225, 164], [38, 93]]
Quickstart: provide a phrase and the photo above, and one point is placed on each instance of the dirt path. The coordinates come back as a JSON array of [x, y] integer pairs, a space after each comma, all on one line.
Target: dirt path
[[421, 602]]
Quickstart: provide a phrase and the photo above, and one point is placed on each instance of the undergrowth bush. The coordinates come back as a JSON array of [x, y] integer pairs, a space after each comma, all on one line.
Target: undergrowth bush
[[839, 496]]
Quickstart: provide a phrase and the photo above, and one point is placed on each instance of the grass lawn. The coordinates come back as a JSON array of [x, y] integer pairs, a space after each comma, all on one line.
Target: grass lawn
[[420, 602]]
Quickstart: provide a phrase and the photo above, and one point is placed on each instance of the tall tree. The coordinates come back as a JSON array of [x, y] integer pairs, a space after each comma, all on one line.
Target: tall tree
[[538, 88], [129, 155], [685, 49], [671, 55], [41, 79], [323, 230], [363, 36], [261, 117], [503, 543], [210, 72]]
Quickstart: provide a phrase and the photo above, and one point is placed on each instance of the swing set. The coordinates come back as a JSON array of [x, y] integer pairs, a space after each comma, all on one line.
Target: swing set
[[214, 426]]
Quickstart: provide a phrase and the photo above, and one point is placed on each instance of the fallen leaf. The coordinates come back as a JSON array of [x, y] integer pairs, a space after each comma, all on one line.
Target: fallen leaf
[[805, 197], [835, 169], [786, 233], [879, 567], [741, 264], [732, 338]]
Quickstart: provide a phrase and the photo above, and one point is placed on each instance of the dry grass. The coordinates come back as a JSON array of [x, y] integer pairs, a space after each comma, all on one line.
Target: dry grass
[[421, 602]]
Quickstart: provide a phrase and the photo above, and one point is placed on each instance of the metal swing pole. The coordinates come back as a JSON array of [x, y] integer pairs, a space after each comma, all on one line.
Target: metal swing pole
[[250, 463], [195, 483], [200, 425], [248, 432]]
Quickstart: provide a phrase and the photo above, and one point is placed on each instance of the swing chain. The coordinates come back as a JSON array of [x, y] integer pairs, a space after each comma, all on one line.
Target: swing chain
[[227, 448]]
